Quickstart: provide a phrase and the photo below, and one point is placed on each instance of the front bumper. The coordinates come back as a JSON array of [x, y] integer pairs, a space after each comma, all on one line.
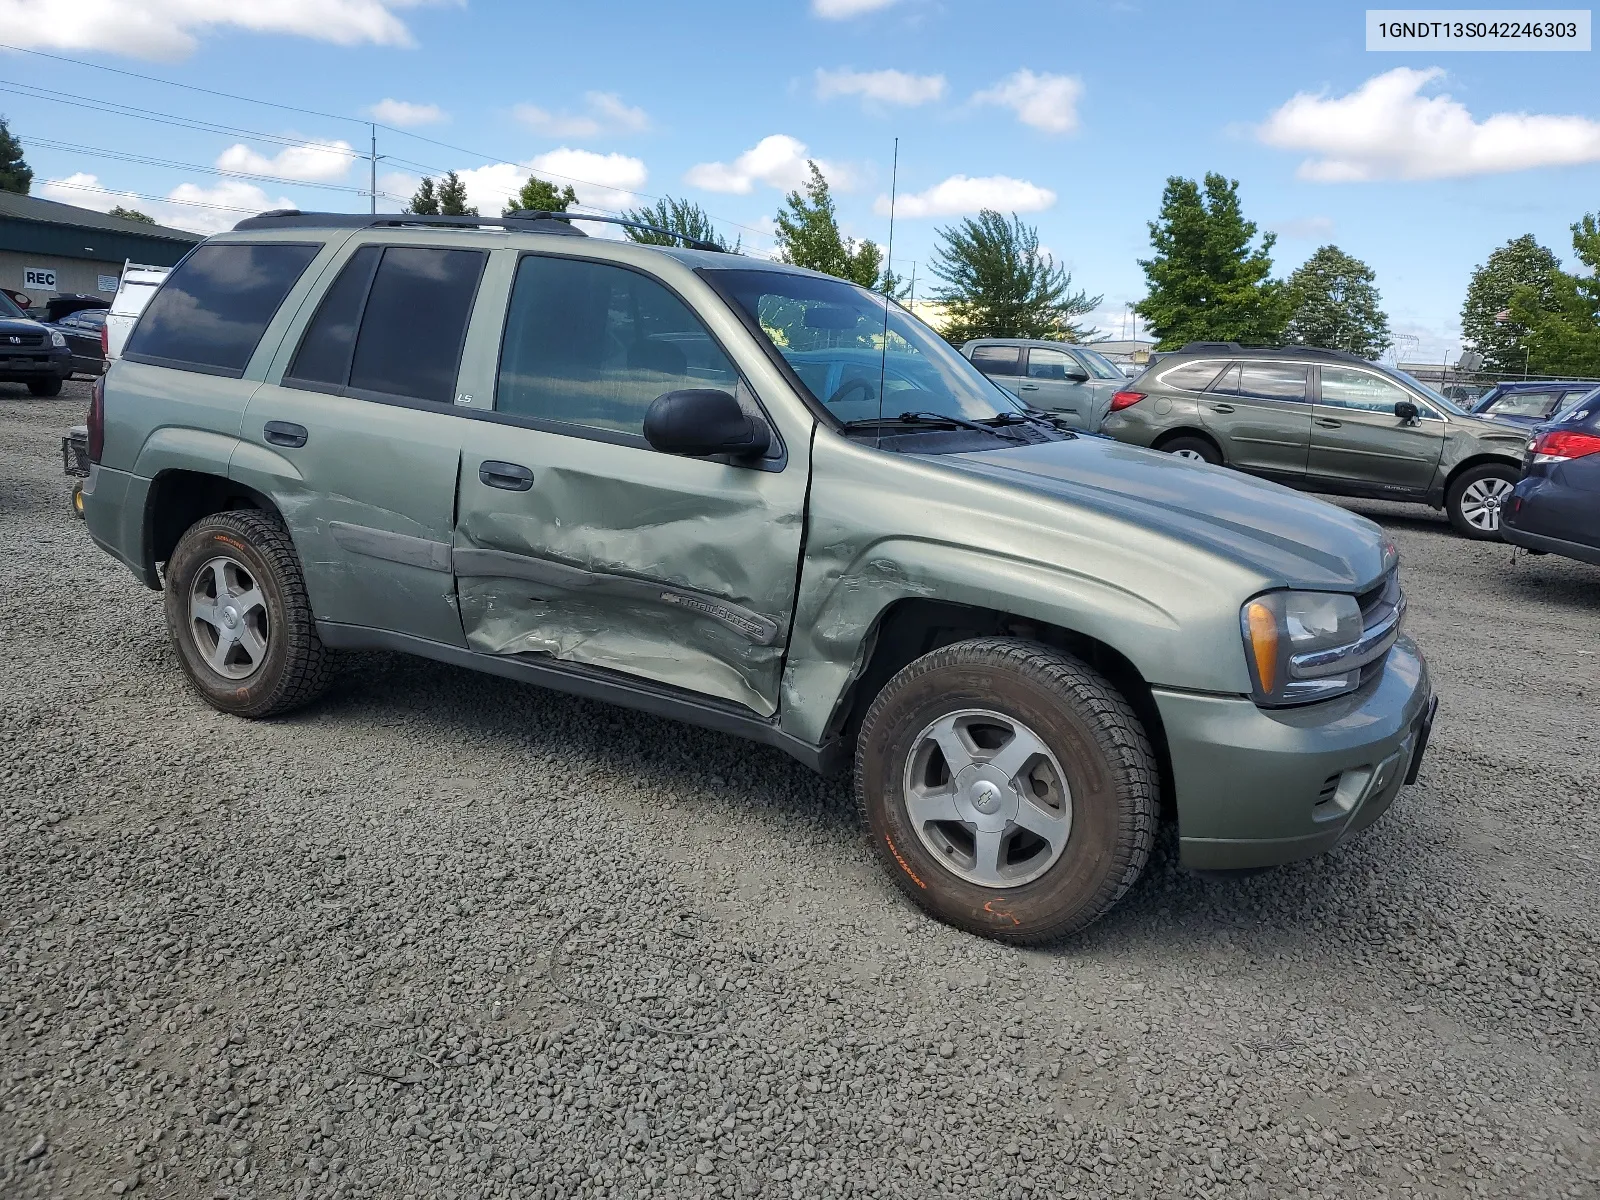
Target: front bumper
[[1258, 787], [20, 366]]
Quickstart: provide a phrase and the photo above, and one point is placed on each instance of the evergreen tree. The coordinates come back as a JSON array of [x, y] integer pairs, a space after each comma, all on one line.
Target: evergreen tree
[[998, 283], [131, 214], [1333, 303], [1208, 281], [540, 195], [453, 198], [808, 236], [426, 201], [681, 216], [1562, 323], [1521, 265], [15, 174]]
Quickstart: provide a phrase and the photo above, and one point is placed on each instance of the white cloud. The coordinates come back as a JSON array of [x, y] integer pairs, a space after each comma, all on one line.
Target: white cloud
[[962, 194], [319, 163], [883, 87], [1303, 228], [170, 29], [841, 10], [602, 181], [1047, 102], [777, 160], [606, 113], [404, 114], [1386, 129], [188, 206]]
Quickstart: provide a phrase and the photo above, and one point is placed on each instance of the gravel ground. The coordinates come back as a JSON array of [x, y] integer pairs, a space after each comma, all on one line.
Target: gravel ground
[[444, 935]]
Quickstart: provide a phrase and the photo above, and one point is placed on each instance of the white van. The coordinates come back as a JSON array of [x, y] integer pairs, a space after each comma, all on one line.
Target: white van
[[138, 284]]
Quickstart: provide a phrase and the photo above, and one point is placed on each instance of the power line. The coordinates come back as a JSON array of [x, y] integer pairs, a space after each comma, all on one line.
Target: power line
[[95, 151], [84, 187]]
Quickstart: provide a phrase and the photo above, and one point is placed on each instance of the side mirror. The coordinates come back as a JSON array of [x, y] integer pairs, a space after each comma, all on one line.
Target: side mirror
[[697, 422], [1407, 412], [1076, 375]]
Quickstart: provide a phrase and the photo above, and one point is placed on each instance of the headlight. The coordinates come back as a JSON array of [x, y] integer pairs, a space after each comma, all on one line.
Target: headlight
[[1305, 646], [56, 339]]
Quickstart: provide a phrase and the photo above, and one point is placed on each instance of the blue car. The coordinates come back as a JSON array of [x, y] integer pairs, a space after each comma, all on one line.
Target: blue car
[[1533, 403], [1555, 507]]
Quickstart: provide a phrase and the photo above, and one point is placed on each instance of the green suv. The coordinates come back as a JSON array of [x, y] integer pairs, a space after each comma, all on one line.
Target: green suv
[[1324, 421], [748, 497]]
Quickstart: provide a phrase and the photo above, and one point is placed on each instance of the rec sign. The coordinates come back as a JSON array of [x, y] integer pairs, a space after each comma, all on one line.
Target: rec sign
[[42, 278]]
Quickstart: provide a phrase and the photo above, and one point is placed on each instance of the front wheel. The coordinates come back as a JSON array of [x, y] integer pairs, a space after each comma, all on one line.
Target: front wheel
[[1009, 788], [239, 617], [1475, 500]]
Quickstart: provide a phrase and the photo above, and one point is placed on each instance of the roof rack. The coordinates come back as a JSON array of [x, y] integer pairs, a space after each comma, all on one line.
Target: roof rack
[[525, 220], [1272, 351]]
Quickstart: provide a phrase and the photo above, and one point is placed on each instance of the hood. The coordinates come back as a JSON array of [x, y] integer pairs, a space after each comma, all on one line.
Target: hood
[[20, 325], [1292, 539]]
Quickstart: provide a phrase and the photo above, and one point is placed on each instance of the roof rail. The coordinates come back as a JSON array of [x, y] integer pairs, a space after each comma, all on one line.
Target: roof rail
[[524, 220], [1272, 351]]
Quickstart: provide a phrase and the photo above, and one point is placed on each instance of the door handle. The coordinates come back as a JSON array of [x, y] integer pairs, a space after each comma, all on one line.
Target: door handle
[[1027, 387], [1222, 408], [284, 433], [1330, 423], [510, 477]]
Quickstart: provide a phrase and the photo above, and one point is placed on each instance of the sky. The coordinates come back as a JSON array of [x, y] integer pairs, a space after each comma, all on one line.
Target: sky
[[1071, 114]]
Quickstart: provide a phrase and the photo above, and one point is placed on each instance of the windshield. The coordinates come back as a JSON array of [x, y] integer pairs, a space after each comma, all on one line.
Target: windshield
[[832, 334], [9, 309], [1450, 406], [1099, 364]]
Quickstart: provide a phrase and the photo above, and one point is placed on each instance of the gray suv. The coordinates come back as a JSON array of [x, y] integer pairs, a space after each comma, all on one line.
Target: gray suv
[[1073, 383], [748, 497], [1324, 421]]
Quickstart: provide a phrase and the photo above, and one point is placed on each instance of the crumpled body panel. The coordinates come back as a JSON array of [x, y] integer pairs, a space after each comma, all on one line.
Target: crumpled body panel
[[676, 570]]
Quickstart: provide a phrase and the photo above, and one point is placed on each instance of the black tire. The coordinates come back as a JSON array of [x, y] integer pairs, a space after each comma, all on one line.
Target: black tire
[[1089, 729], [1194, 446], [1464, 503], [44, 387], [293, 669]]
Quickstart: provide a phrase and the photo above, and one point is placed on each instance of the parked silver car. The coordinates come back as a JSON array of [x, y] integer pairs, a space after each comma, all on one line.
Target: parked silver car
[[1074, 383]]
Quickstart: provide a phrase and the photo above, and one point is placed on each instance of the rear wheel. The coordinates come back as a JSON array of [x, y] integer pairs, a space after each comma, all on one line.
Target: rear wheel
[[1009, 788], [1475, 500], [239, 618], [44, 387], [1196, 449]]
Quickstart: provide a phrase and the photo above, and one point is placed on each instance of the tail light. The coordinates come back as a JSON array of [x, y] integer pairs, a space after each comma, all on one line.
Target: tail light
[[105, 341], [97, 420], [1558, 445], [1124, 400]]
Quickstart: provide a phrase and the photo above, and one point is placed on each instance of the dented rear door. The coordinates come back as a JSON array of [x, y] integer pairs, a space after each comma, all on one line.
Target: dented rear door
[[575, 539]]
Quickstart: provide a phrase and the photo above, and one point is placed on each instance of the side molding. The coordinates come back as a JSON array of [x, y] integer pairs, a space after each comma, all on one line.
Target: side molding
[[392, 547]]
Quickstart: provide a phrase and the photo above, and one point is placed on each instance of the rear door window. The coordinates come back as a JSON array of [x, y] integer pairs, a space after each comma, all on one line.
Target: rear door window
[[323, 359], [998, 360], [212, 310], [1272, 381], [415, 323]]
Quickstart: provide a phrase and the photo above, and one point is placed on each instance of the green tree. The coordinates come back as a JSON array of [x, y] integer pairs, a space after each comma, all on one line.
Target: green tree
[[1562, 322], [808, 236], [15, 174], [998, 283], [131, 214], [1333, 303], [540, 195], [1208, 280], [680, 216], [1522, 264], [446, 199]]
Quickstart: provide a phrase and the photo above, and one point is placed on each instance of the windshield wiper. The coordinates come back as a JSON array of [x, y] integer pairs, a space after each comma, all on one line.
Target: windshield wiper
[[1035, 416], [924, 419]]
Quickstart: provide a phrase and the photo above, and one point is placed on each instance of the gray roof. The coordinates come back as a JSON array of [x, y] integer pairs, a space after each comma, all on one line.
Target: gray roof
[[32, 208]]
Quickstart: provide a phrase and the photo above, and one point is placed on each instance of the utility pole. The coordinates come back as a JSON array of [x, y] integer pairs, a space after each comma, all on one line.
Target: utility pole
[[373, 193]]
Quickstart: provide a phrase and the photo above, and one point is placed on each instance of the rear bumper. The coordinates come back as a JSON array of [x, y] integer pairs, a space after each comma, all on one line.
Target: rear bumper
[[1550, 545], [1257, 787], [113, 511]]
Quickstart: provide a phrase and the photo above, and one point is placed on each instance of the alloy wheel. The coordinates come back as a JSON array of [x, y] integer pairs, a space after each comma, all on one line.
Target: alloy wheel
[[1482, 500], [988, 798], [228, 618]]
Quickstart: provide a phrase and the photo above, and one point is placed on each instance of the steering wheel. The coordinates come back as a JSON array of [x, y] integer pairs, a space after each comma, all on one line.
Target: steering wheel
[[866, 388]]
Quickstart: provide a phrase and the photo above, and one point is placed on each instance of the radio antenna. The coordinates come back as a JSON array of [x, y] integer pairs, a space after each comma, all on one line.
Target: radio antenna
[[888, 286]]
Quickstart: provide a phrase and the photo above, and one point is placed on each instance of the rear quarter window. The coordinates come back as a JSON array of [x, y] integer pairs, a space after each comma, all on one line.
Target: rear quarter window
[[212, 310], [1190, 376]]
